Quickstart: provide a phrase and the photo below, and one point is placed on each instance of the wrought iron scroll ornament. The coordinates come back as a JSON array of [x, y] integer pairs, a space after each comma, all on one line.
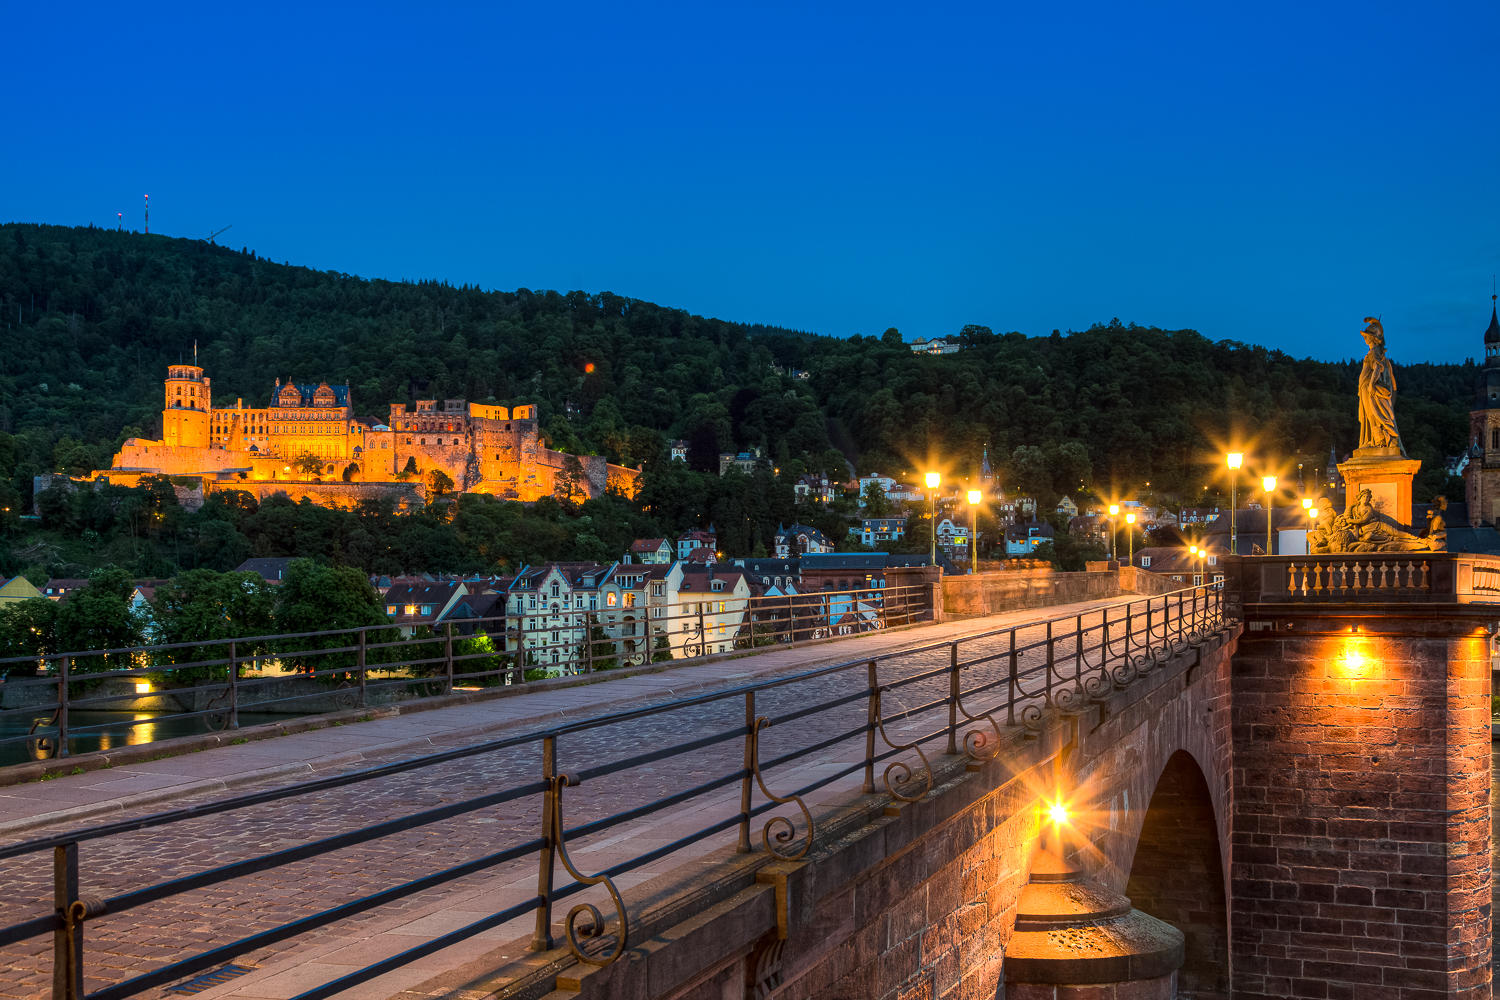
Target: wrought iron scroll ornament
[[217, 718], [596, 926], [906, 773], [977, 743], [786, 830], [42, 747]]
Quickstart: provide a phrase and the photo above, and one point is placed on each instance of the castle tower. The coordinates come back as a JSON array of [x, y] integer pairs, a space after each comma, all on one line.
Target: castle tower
[[1482, 476], [185, 413]]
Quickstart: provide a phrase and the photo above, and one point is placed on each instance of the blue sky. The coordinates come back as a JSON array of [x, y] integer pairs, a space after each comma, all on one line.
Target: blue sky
[[1268, 173]]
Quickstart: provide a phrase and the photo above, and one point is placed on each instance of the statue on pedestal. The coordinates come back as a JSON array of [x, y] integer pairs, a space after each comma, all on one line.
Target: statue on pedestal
[[1377, 395], [1379, 461]]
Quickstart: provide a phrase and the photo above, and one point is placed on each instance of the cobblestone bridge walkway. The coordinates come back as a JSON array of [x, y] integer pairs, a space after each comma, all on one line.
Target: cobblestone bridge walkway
[[127, 944]]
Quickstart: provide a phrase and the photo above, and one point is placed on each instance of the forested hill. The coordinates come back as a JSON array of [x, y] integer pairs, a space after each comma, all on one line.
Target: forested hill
[[91, 317]]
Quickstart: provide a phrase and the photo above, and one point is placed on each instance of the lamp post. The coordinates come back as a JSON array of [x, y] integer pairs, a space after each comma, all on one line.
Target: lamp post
[[1115, 511], [1269, 482], [1235, 460], [974, 497], [1130, 536], [933, 480]]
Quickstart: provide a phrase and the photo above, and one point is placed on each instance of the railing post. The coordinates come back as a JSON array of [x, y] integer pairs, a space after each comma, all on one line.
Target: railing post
[[234, 688], [520, 677], [1010, 702], [872, 718], [541, 938], [702, 635], [952, 698], [1051, 662], [749, 776], [448, 653], [360, 664], [1078, 653], [1104, 645], [588, 644], [791, 618], [67, 941], [62, 705]]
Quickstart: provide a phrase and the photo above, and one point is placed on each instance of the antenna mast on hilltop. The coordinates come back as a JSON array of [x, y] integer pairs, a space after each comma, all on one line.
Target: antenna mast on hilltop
[[148, 213], [119, 221]]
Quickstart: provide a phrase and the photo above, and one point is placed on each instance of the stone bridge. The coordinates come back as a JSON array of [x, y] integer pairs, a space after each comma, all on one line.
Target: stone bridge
[[1277, 790], [1300, 794]]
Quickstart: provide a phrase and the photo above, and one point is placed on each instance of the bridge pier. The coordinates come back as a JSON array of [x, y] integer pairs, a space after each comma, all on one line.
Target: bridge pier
[[1361, 778]]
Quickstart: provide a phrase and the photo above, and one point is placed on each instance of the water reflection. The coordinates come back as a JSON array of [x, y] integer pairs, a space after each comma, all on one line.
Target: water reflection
[[121, 729]]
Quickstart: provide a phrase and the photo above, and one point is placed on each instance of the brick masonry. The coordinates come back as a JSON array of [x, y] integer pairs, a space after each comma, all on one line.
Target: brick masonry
[[1361, 840]]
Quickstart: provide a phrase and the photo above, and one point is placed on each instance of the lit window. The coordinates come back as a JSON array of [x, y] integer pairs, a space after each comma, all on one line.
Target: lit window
[[390, 609], [610, 599], [411, 609]]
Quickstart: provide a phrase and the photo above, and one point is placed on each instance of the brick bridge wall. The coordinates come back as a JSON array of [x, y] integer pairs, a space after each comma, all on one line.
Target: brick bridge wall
[[917, 900], [1362, 786]]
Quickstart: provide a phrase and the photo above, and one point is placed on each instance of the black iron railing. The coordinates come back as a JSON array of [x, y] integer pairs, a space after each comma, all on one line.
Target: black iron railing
[[340, 669], [1016, 676]]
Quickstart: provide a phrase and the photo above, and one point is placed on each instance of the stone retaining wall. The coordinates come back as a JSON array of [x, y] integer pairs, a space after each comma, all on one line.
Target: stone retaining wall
[[992, 593]]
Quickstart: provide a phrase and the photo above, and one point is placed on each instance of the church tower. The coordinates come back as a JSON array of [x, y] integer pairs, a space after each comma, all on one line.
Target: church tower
[[1482, 476], [185, 413]]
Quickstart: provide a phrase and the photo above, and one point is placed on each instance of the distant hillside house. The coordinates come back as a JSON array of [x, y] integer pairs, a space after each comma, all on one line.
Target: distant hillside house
[[1067, 506], [936, 345], [650, 550], [1022, 539], [876, 531], [17, 588], [799, 540], [746, 461], [690, 541]]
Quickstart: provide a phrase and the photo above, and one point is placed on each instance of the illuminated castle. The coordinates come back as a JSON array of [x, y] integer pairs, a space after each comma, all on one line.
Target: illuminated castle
[[481, 448]]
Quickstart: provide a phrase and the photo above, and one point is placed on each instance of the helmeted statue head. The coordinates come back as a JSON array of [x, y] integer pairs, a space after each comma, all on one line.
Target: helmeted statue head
[[1374, 333]]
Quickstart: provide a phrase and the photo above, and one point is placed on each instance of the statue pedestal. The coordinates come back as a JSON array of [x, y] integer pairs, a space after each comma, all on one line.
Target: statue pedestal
[[1387, 475]]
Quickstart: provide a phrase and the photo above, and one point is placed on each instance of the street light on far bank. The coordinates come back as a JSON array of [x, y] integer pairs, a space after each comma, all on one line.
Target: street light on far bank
[[1269, 482], [1235, 459], [1114, 512], [974, 497], [934, 480], [1130, 534]]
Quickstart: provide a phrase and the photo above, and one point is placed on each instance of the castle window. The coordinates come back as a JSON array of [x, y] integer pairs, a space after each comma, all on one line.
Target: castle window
[[1495, 437]]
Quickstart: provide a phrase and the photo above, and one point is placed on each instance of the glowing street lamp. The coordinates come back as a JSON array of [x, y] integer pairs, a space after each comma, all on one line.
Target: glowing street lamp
[[1114, 512], [1130, 534], [1236, 459], [974, 497], [1269, 482], [934, 479]]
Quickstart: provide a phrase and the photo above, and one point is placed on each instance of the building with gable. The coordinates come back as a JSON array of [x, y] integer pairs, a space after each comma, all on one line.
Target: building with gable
[[800, 539]]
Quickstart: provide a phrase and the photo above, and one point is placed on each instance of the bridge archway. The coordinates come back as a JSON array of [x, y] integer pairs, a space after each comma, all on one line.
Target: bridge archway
[[1177, 875]]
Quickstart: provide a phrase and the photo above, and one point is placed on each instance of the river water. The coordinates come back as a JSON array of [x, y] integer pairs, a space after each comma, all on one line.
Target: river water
[[124, 729]]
